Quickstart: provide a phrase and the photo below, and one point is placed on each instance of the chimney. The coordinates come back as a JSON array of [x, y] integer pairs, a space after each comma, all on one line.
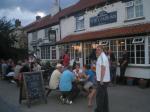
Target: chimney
[[17, 23], [38, 17]]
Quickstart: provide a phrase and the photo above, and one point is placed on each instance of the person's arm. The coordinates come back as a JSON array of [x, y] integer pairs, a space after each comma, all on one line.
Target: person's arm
[[103, 69]]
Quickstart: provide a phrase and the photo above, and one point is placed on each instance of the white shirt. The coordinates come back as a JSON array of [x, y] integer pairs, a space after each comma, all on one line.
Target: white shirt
[[54, 80], [102, 60], [77, 73]]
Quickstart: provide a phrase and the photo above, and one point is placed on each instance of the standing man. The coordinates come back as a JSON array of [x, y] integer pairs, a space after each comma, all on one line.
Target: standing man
[[103, 78], [66, 59], [123, 66]]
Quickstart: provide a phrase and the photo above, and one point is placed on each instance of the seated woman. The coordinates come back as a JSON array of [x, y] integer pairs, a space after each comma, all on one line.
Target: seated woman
[[68, 89], [79, 73], [89, 86]]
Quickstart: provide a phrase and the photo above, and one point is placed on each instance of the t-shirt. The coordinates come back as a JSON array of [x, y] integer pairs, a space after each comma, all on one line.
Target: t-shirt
[[54, 80], [102, 60], [66, 60], [91, 75], [66, 80]]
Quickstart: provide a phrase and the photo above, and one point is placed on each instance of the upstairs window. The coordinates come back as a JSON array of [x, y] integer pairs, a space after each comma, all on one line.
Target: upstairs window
[[34, 36], [46, 32], [79, 23], [134, 9]]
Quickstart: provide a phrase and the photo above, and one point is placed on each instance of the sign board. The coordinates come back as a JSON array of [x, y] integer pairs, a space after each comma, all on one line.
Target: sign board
[[103, 17], [34, 86]]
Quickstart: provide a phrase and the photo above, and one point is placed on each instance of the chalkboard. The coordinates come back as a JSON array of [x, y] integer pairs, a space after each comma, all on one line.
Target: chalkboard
[[34, 86]]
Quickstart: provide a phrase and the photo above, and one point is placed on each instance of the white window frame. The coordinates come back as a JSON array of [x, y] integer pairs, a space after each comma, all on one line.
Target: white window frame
[[104, 42], [80, 22], [45, 52], [53, 48], [138, 40], [134, 5], [46, 32], [34, 36]]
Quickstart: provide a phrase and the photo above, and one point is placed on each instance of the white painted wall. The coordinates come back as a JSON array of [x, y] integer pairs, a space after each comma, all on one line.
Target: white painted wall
[[29, 42], [67, 26]]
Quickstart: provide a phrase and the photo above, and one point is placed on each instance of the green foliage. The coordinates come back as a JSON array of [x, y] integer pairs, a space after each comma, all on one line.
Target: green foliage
[[7, 39]]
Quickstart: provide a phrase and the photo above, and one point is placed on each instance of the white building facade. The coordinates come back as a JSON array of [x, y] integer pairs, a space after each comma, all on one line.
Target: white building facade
[[118, 25]]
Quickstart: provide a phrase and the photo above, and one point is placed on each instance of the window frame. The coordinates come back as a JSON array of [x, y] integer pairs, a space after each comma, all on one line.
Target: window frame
[[134, 5], [34, 36], [80, 20]]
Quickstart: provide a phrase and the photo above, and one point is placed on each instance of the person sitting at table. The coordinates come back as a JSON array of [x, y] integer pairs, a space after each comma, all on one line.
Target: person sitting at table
[[67, 86], [78, 72], [55, 78], [89, 85]]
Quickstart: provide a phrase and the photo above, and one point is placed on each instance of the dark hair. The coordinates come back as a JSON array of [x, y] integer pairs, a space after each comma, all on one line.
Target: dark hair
[[88, 66]]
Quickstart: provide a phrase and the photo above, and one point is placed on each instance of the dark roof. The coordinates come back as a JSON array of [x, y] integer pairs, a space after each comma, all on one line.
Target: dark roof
[[133, 30], [51, 20]]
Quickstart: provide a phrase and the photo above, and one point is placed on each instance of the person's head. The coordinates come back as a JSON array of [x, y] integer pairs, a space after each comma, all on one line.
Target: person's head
[[69, 68], [124, 51], [77, 65], [110, 51], [59, 67], [99, 50], [88, 66], [19, 62]]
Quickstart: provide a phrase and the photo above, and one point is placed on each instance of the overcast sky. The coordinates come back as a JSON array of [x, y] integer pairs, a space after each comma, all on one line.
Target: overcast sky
[[27, 10]]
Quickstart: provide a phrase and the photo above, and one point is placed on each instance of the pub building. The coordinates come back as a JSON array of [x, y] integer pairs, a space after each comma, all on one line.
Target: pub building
[[116, 24]]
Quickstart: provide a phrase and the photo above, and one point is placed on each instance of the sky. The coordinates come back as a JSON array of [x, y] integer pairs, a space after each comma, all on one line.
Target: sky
[[27, 10]]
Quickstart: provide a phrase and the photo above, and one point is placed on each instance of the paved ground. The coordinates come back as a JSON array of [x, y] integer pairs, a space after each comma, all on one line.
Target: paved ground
[[121, 99]]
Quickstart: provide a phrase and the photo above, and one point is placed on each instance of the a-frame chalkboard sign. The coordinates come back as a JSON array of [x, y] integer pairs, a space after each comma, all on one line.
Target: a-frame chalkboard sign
[[34, 86]]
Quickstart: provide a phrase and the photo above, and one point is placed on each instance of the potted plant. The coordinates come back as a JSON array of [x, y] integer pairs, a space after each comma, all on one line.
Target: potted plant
[[130, 81], [143, 83]]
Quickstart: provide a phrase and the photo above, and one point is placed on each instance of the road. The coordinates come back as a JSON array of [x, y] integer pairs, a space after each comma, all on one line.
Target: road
[[121, 99]]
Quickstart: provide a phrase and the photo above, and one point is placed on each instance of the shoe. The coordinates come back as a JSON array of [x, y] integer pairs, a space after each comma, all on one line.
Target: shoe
[[68, 102], [12, 81]]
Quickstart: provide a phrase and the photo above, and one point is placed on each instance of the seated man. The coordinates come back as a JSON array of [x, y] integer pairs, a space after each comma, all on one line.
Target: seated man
[[68, 89], [55, 78]]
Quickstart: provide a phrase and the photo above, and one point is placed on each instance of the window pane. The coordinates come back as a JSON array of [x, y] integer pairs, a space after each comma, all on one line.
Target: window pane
[[79, 22], [140, 54], [139, 11], [130, 12]]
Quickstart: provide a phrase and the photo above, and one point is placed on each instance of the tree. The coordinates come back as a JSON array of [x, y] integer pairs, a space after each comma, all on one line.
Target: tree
[[7, 39]]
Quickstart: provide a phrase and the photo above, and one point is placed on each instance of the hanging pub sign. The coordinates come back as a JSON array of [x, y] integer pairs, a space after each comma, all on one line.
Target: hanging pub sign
[[103, 17], [52, 36]]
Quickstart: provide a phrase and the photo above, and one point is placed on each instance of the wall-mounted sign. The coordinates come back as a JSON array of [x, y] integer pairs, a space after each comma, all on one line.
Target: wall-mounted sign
[[103, 18], [52, 36]]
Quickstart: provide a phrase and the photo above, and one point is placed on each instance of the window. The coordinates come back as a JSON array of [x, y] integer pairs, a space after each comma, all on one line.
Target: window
[[113, 47], [45, 52], [53, 52], [34, 36], [34, 49], [149, 48], [138, 40], [134, 9], [46, 32], [136, 50], [104, 43], [79, 23]]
